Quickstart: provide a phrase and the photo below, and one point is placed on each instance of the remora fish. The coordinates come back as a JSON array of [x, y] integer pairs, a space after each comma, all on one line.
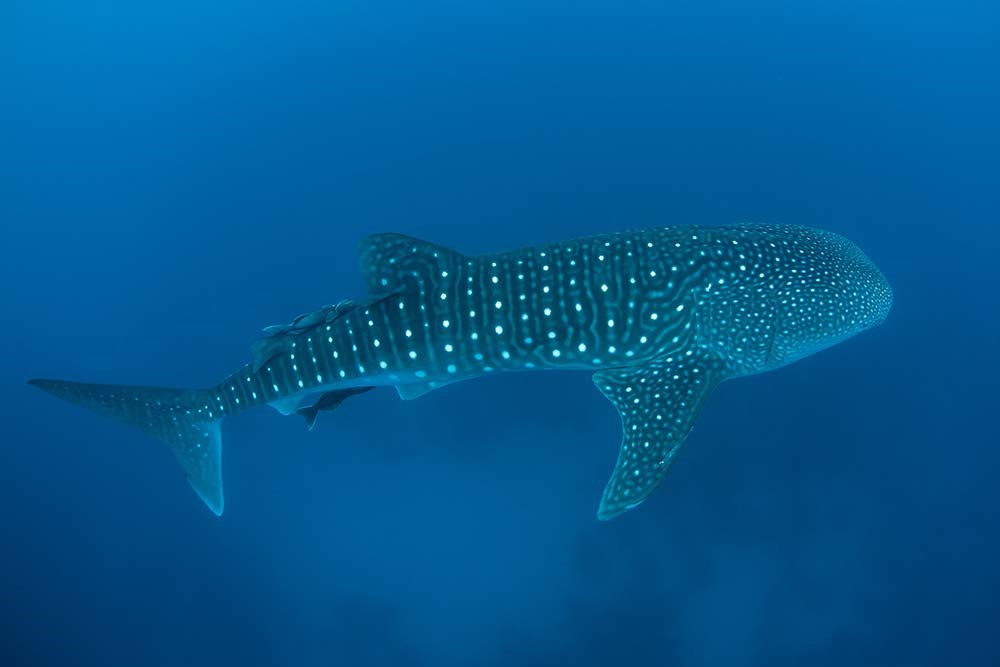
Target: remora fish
[[660, 317]]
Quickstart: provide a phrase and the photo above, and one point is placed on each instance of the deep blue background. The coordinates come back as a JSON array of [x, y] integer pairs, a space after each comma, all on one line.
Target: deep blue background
[[173, 178]]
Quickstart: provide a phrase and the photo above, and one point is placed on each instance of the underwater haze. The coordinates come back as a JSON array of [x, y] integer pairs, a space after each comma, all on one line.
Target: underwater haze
[[176, 176]]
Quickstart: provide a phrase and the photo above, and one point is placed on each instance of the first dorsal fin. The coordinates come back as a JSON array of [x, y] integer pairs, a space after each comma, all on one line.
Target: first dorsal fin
[[390, 262]]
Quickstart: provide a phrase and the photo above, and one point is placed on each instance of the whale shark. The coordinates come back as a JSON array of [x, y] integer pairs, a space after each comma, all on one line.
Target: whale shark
[[659, 317]]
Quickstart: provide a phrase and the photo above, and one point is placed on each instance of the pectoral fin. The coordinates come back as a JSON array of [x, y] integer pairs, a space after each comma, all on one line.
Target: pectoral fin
[[658, 402]]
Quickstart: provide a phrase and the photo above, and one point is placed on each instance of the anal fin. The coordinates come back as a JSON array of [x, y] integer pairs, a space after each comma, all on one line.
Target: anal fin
[[658, 401], [287, 405]]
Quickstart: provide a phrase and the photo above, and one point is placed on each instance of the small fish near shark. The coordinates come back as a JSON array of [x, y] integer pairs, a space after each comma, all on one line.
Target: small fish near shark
[[659, 317]]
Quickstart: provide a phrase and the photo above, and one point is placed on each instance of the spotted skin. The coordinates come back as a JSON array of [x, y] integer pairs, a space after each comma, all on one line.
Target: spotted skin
[[658, 402], [661, 316]]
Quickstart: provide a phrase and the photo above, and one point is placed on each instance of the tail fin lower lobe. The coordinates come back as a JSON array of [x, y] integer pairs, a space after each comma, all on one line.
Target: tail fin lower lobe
[[181, 418]]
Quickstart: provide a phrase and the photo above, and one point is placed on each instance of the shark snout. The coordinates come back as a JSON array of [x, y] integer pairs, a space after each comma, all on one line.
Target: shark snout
[[886, 297], [880, 295]]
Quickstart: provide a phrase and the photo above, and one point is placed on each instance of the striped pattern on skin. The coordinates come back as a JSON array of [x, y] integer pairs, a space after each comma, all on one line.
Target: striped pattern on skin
[[661, 315]]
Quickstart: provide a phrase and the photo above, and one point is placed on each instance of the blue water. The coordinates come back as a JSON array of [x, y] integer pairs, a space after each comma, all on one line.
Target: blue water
[[174, 177]]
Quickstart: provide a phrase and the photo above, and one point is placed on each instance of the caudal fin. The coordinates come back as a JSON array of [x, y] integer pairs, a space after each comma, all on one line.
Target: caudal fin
[[178, 417]]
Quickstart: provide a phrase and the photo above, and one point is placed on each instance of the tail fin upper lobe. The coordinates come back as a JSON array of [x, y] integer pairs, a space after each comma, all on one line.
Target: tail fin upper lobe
[[181, 418]]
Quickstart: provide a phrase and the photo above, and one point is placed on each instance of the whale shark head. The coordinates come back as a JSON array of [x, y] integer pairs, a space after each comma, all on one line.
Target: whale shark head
[[830, 291]]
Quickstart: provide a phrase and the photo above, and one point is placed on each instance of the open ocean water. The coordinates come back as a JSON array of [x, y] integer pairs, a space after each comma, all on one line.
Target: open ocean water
[[175, 176]]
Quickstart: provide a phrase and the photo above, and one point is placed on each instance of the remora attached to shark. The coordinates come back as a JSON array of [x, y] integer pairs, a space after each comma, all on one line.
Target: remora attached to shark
[[660, 317]]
